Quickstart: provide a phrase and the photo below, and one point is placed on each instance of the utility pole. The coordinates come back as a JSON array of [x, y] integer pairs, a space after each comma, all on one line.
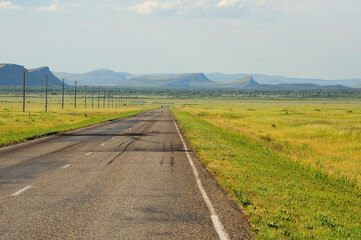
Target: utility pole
[[46, 93], [86, 89], [113, 99], [104, 100], [24, 91], [108, 99], [98, 96], [62, 96], [75, 95], [93, 97], [121, 100], [117, 99]]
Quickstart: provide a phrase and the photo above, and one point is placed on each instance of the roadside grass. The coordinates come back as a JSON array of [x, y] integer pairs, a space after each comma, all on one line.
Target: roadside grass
[[284, 198], [324, 134], [16, 126]]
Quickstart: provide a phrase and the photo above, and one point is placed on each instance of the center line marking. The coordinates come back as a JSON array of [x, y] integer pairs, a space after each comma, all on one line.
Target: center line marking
[[88, 153], [217, 224], [102, 144], [21, 191], [68, 165]]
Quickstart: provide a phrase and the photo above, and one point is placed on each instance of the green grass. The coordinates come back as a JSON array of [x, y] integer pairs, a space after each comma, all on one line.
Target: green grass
[[16, 126], [37, 131], [284, 198], [324, 134]]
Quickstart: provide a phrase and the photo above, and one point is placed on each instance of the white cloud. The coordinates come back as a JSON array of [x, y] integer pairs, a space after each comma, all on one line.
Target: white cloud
[[216, 8], [56, 7], [293, 8], [260, 2], [200, 3], [8, 6], [227, 3], [151, 6], [52, 8]]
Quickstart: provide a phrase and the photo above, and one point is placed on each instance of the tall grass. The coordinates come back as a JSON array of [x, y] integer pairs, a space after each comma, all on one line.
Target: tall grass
[[326, 135], [16, 126], [285, 195]]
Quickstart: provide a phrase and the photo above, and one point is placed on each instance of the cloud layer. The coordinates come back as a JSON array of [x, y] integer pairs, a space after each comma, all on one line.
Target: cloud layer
[[8, 6], [56, 6], [200, 8], [215, 8], [151, 6]]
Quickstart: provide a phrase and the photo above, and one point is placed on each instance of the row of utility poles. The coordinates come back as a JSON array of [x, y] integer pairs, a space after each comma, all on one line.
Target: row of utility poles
[[120, 101]]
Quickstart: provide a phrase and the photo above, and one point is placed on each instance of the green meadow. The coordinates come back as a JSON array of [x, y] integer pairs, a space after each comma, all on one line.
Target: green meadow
[[293, 166], [17, 126]]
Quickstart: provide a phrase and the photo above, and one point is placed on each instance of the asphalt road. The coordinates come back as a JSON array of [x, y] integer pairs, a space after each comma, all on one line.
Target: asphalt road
[[127, 179]]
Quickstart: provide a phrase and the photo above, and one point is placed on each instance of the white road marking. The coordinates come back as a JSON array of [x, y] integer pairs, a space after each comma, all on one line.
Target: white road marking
[[21, 191], [88, 153], [102, 144], [217, 224], [113, 138], [68, 165]]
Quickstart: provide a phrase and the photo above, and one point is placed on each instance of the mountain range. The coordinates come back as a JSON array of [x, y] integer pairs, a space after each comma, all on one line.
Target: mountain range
[[272, 80], [106, 76], [191, 80], [11, 75], [96, 77]]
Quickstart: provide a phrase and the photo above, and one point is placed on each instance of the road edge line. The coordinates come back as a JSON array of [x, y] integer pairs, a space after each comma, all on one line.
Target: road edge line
[[21, 190], [217, 224]]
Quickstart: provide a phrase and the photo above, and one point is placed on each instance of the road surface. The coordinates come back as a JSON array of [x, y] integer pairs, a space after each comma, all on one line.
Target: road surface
[[127, 179]]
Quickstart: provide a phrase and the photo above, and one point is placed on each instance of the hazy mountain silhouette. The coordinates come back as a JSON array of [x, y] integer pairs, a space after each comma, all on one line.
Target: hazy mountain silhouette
[[188, 80], [244, 82], [272, 80], [96, 77], [299, 86], [12, 75]]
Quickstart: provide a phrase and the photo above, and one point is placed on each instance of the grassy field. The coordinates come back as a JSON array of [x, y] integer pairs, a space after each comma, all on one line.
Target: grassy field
[[293, 166], [17, 126]]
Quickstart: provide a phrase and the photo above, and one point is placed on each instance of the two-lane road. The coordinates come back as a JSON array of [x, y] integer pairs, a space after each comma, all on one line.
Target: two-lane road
[[127, 179]]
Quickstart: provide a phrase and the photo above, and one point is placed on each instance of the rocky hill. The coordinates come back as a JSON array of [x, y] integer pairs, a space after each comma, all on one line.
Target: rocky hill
[[96, 77], [189, 80], [12, 75]]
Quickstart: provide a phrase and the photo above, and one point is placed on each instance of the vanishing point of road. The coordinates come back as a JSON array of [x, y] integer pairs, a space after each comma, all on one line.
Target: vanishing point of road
[[133, 178]]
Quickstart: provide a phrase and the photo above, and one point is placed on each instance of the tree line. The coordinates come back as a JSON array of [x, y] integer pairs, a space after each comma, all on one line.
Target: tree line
[[199, 93]]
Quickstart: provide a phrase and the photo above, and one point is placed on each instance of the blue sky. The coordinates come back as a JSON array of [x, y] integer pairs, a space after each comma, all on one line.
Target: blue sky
[[295, 38]]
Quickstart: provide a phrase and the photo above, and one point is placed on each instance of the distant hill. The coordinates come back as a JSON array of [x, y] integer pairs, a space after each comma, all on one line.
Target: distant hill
[[223, 78], [299, 86], [189, 80], [266, 79], [96, 77], [244, 82], [12, 75]]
